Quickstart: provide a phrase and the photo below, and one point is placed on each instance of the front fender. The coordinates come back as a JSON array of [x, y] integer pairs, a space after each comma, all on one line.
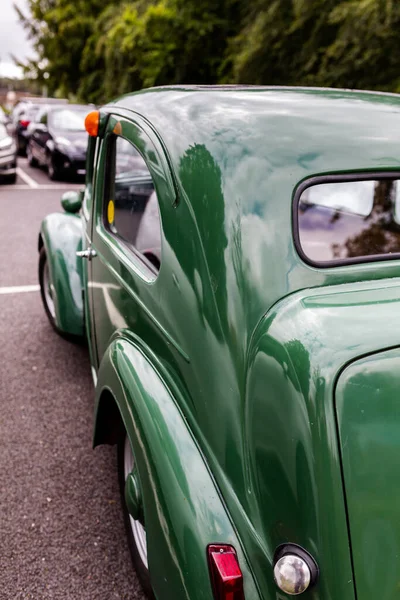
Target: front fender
[[61, 235], [184, 511]]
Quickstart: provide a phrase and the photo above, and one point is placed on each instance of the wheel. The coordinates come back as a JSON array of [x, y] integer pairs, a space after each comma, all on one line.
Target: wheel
[[53, 172], [47, 293], [32, 162], [46, 289], [135, 529]]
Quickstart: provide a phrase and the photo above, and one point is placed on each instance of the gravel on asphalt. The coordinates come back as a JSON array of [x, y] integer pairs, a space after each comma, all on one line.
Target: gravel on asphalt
[[61, 530]]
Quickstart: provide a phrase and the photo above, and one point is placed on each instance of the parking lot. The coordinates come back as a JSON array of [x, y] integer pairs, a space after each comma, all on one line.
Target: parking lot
[[61, 530]]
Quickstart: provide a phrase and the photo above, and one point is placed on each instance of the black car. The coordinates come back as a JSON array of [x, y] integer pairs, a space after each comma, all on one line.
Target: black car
[[23, 114], [59, 141], [21, 126], [8, 156]]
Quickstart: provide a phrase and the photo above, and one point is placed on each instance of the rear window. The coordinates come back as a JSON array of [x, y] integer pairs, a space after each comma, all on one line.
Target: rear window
[[67, 119], [355, 220]]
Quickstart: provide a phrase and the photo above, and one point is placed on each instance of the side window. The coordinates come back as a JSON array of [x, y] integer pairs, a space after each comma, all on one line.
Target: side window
[[131, 204], [43, 118], [349, 221]]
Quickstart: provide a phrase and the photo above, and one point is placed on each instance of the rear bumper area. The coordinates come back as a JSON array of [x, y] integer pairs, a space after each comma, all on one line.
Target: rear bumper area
[[70, 164]]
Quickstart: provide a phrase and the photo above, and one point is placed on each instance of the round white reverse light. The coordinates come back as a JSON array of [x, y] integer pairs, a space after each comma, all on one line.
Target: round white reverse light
[[292, 574]]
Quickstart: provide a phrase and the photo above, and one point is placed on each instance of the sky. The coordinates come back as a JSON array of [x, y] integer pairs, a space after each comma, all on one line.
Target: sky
[[12, 38]]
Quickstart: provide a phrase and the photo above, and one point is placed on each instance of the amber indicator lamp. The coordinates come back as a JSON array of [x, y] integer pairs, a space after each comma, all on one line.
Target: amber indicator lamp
[[92, 122]]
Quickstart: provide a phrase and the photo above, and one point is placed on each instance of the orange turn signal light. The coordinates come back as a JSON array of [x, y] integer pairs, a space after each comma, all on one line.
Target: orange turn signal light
[[92, 122]]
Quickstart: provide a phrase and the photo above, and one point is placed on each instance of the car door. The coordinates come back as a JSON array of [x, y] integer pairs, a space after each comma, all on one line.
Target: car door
[[133, 191]]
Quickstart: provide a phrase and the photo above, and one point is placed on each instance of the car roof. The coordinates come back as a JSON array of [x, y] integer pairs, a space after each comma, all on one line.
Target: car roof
[[289, 132], [58, 107], [239, 153], [42, 100]]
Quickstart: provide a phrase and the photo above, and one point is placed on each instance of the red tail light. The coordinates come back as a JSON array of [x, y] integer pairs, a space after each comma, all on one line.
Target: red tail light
[[226, 576], [24, 123]]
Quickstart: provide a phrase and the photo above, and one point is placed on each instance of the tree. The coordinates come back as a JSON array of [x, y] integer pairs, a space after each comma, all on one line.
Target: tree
[[94, 50], [281, 42], [60, 30], [365, 52]]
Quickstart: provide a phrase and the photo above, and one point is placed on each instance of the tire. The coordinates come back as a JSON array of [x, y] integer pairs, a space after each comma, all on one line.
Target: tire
[[32, 162], [11, 178], [21, 148], [52, 171], [136, 532], [45, 289]]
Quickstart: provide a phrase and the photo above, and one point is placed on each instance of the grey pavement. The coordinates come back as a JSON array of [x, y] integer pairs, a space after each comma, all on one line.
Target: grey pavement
[[61, 528]]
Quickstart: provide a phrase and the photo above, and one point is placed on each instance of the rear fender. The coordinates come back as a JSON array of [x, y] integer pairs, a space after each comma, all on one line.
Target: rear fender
[[184, 511], [61, 235]]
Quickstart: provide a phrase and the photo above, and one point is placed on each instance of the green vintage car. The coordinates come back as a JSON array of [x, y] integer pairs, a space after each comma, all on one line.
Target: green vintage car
[[234, 264]]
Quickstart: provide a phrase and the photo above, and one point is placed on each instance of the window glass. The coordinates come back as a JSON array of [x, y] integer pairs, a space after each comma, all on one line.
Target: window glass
[[349, 220], [67, 119], [132, 212]]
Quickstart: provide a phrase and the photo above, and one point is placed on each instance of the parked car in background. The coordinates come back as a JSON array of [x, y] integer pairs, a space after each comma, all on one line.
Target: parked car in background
[[24, 113], [21, 126], [8, 156], [58, 140], [36, 121], [4, 118], [234, 264], [16, 117]]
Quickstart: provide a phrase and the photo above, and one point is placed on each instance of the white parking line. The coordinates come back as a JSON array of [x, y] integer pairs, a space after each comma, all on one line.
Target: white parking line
[[19, 289], [15, 187], [31, 182], [61, 186]]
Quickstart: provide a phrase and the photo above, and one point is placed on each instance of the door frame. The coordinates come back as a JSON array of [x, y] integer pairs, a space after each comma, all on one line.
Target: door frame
[[113, 253]]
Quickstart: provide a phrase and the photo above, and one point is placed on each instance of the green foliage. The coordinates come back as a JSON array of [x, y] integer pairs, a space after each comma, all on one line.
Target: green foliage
[[281, 42], [97, 49], [365, 52]]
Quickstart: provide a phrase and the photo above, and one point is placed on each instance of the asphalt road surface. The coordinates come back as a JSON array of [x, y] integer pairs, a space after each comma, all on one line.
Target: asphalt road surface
[[61, 528]]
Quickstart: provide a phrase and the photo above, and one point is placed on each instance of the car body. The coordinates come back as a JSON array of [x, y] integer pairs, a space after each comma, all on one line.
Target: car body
[[22, 121], [8, 156], [4, 117], [23, 125], [58, 140], [18, 124], [250, 377]]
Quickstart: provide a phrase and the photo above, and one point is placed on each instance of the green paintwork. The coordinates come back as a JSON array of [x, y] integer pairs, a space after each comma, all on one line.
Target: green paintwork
[[226, 363], [133, 495], [72, 201], [183, 509], [61, 235], [368, 410], [296, 354]]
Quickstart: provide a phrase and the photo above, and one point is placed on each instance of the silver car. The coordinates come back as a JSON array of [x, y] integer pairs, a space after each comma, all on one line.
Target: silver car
[[8, 156]]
